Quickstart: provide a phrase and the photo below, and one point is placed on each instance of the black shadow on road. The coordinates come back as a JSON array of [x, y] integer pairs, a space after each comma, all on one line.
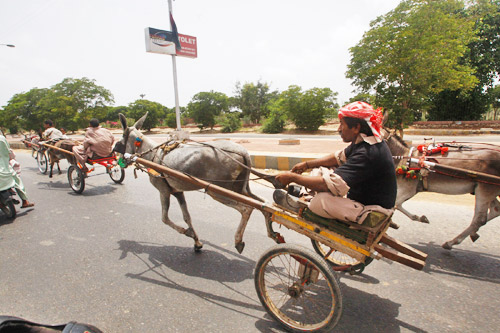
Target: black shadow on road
[[4, 220], [207, 264], [461, 263]]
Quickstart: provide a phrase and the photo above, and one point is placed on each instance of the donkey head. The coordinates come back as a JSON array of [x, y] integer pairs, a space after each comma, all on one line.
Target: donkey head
[[126, 144]]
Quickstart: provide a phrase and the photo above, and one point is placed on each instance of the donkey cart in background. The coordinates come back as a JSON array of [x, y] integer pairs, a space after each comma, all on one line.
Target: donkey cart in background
[[76, 176], [296, 286]]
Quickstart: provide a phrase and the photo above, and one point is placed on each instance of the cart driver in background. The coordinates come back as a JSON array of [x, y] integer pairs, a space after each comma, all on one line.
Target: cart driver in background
[[50, 133], [362, 174], [98, 141]]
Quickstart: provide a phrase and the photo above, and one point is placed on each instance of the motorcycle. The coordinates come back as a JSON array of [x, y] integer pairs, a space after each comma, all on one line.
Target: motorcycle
[[7, 203]]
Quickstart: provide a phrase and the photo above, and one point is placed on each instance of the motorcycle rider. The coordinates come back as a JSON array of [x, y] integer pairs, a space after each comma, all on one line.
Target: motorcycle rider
[[8, 176]]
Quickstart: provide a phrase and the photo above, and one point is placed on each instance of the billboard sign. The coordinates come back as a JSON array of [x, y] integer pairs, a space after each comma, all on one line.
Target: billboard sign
[[189, 46], [162, 42]]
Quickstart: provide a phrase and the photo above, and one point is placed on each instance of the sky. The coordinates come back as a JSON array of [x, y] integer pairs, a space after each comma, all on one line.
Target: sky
[[281, 43]]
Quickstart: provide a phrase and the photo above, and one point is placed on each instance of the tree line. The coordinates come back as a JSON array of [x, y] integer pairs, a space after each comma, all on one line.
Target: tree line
[[425, 59], [71, 103]]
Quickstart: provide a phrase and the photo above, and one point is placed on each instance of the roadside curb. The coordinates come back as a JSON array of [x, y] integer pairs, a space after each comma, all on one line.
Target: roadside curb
[[282, 163]]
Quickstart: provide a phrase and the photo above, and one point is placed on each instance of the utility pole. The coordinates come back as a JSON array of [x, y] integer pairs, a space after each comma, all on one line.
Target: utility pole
[[176, 90]]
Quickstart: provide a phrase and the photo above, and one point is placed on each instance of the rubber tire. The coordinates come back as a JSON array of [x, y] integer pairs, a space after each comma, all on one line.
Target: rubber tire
[[9, 209], [326, 274], [346, 260], [42, 160], [122, 174], [80, 185]]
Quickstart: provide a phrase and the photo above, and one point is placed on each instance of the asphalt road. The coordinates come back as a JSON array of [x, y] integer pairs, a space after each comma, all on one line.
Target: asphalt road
[[105, 258]]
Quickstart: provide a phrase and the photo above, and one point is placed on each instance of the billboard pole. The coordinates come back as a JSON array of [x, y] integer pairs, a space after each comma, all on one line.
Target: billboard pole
[[174, 69]]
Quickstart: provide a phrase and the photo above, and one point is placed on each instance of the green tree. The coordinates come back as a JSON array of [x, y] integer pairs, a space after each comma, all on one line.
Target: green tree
[[275, 123], [411, 53], [484, 57], [139, 108], [308, 109], [112, 113], [205, 106], [229, 121], [253, 99], [25, 110], [171, 120], [73, 102]]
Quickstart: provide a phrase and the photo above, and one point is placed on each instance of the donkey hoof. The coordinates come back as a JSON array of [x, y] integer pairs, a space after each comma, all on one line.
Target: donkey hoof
[[198, 247], [447, 246], [474, 237], [424, 219], [240, 247]]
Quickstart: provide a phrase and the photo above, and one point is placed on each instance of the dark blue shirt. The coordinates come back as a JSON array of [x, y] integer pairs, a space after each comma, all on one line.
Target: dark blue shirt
[[370, 173]]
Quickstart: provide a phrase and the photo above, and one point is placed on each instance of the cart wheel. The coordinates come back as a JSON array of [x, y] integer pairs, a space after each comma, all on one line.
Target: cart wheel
[[116, 173], [9, 209], [76, 179], [43, 163], [298, 289], [337, 258]]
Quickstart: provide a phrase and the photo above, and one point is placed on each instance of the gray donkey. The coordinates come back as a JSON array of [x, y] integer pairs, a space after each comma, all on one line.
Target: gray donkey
[[222, 163]]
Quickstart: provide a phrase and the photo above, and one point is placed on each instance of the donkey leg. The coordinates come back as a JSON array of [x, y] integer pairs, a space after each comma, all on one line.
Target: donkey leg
[[245, 211], [413, 217], [165, 192], [480, 218], [187, 218], [493, 212], [58, 168]]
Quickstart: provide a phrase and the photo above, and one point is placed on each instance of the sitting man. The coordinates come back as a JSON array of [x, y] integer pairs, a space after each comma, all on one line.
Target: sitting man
[[50, 133], [364, 170], [98, 141]]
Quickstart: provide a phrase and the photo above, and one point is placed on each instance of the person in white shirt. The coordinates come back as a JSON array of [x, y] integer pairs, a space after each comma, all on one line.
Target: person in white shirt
[[50, 133]]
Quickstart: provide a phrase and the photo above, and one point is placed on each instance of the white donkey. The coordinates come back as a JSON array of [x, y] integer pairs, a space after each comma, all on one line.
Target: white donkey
[[484, 160], [214, 163]]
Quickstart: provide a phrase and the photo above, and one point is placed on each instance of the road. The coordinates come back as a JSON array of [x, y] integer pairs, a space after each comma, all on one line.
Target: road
[[105, 258]]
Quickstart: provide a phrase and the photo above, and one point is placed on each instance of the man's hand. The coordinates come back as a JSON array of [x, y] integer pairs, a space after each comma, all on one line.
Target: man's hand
[[300, 167], [286, 177]]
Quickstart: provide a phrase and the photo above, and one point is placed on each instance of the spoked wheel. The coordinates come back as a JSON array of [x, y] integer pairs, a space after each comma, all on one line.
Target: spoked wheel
[[337, 258], [76, 179], [9, 209], [43, 163], [298, 289], [116, 173]]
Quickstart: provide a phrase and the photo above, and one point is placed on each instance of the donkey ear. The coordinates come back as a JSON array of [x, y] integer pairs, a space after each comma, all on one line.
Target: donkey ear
[[385, 118], [123, 121], [140, 122]]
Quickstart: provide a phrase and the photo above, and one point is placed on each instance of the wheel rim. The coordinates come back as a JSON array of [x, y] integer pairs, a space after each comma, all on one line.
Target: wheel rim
[[42, 162], [75, 179], [116, 173], [334, 257], [297, 303]]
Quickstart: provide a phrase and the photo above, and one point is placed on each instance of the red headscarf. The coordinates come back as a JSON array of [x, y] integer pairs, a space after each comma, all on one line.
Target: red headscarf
[[364, 111]]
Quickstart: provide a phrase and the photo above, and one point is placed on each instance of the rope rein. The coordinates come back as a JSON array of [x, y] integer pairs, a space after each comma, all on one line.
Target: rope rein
[[168, 146]]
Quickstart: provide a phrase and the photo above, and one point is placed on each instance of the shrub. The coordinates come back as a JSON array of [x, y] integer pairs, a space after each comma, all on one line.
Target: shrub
[[230, 122], [277, 118]]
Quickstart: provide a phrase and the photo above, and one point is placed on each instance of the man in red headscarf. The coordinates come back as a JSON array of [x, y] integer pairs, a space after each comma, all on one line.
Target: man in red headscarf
[[361, 174]]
